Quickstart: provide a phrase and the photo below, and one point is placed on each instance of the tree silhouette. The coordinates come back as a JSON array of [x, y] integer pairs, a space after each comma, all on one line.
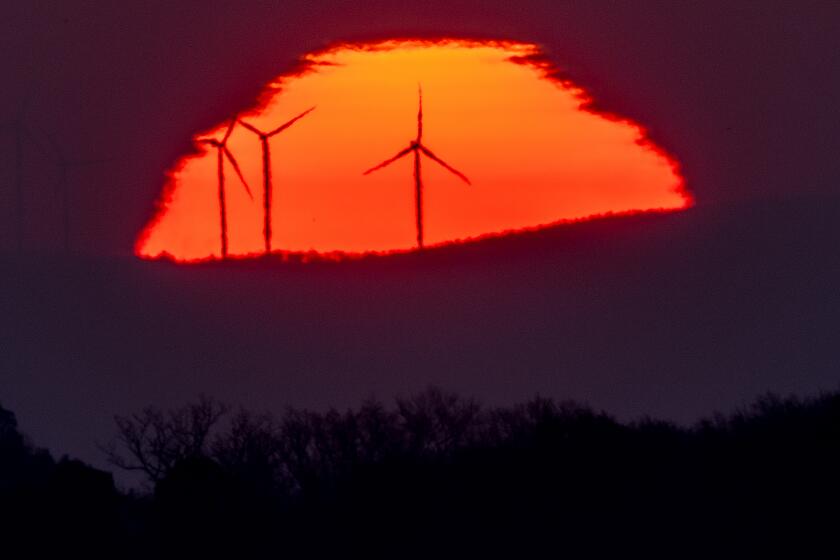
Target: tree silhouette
[[437, 422], [153, 442], [66, 500], [251, 450], [438, 471]]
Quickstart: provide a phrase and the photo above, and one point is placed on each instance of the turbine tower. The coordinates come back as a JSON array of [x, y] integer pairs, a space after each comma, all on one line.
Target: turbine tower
[[223, 152], [21, 133], [65, 166], [266, 159], [416, 146]]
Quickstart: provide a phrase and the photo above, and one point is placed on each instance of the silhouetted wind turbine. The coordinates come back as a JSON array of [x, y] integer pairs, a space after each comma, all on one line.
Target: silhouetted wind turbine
[[416, 146], [66, 165], [266, 159], [21, 132], [222, 153]]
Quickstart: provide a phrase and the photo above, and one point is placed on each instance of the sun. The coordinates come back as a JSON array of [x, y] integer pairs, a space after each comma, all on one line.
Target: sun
[[505, 145]]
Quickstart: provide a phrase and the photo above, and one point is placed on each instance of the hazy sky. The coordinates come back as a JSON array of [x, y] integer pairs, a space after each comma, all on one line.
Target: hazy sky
[[674, 315]]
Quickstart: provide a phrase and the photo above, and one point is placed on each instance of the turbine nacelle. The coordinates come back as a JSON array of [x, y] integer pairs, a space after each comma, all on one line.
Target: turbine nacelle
[[418, 148], [224, 152], [264, 137]]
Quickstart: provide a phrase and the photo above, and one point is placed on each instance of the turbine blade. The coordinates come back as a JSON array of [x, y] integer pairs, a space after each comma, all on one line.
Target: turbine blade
[[388, 162], [420, 114], [235, 165], [451, 169], [230, 129], [283, 127], [252, 128], [86, 162]]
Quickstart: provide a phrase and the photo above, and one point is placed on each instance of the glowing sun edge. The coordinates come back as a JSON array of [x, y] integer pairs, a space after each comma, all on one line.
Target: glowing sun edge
[[527, 54]]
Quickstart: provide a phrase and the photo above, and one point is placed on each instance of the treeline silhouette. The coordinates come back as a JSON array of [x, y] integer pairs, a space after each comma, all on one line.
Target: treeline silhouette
[[437, 474]]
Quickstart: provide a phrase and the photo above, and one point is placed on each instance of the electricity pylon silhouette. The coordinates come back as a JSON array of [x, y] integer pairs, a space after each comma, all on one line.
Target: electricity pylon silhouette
[[266, 161], [223, 152], [416, 146]]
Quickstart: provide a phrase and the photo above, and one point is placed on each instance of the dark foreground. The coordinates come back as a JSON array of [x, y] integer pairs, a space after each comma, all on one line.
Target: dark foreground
[[435, 475]]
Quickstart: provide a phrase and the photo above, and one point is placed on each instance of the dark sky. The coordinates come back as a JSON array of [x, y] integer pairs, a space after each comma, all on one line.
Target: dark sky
[[672, 315]]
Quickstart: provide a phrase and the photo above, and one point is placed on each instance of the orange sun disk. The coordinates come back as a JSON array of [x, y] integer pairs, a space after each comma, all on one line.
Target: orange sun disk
[[533, 151]]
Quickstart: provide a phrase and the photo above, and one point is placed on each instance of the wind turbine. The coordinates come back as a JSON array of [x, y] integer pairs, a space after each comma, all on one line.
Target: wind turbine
[[416, 146], [266, 159], [21, 132], [223, 152], [65, 166]]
